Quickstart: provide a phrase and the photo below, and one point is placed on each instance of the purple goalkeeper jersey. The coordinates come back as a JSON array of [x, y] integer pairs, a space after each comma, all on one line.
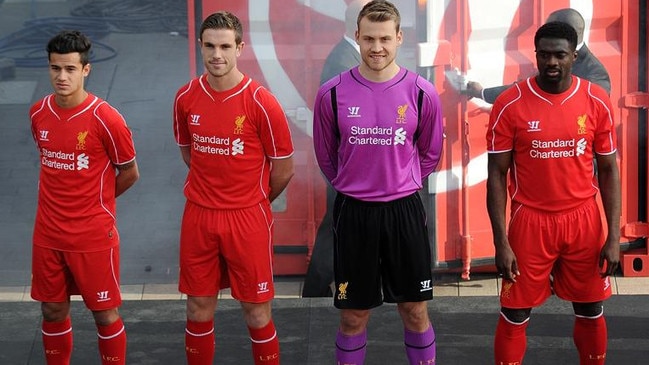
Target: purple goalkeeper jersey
[[377, 141]]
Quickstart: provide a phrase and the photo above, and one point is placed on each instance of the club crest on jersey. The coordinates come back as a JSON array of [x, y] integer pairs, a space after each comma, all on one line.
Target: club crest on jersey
[[238, 124], [342, 290], [81, 140], [581, 124], [401, 114], [195, 119]]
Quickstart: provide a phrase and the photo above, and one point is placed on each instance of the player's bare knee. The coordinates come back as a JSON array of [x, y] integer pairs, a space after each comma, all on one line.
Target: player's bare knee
[[588, 310], [201, 309], [106, 317], [414, 314], [55, 312], [256, 315], [353, 321], [516, 315]]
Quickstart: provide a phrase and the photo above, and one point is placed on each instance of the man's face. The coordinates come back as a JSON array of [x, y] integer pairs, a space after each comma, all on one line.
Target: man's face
[[220, 51], [378, 43], [554, 59], [67, 73]]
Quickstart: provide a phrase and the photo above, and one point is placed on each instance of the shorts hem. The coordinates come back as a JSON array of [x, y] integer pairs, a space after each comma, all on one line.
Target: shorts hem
[[587, 300], [408, 300], [525, 306], [358, 307]]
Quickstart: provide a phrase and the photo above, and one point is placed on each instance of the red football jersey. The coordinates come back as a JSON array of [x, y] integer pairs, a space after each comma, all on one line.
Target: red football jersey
[[233, 136], [79, 148], [553, 139]]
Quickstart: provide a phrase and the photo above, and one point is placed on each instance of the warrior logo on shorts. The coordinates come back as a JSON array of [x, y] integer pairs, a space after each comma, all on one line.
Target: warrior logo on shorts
[[81, 140], [102, 296], [425, 285], [342, 290], [262, 287], [238, 124], [401, 111]]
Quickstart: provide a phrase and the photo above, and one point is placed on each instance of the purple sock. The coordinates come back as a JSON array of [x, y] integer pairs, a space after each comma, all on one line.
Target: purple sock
[[350, 350], [420, 347]]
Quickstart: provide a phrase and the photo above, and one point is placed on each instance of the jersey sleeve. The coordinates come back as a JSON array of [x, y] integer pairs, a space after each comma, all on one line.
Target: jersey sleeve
[[181, 131], [33, 110], [501, 129], [430, 132], [117, 139], [274, 131], [605, 137], [325, 132]]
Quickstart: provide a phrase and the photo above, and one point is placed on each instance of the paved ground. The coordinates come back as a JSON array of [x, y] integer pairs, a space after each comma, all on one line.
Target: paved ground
[[307, 329]]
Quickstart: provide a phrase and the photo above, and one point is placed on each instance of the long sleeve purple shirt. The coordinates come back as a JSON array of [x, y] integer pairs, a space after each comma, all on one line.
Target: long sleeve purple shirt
[[380, 140]]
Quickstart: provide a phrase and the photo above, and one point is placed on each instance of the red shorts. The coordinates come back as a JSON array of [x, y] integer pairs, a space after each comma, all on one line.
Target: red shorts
[[566, 245], [221, 248], [94, 275]]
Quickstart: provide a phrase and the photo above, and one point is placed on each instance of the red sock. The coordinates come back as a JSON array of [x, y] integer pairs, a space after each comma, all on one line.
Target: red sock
[[590, 338], [199, 342], [510, 342], [112, 343], [265, 345], [57, 341]]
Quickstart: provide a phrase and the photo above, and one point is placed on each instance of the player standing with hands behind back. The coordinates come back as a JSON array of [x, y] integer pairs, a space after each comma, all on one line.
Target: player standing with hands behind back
[[87, 160], [545, 132], [377, 135], [235, 139]]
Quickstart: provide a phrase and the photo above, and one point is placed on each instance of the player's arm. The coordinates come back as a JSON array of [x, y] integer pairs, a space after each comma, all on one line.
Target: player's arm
[[186, 153], [498, 166], [431, 134], [475, 90], [608, 177], [281, 172], [326, 138], [127, 175]]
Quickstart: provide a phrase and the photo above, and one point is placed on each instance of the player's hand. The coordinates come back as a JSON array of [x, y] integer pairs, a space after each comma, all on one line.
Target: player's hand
[[506, 262], [609, 255], [474, 89]]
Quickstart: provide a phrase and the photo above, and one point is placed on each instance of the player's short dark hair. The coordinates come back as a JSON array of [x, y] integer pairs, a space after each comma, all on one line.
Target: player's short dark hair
[[223, 20], [379, 11], [70, 41], [557, 30]]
